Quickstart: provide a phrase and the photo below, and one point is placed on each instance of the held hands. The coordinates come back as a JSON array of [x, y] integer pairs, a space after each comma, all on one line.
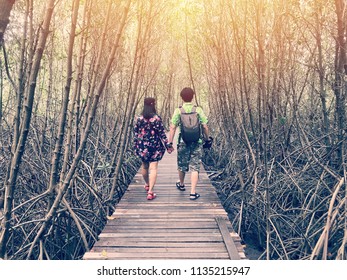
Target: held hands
[[169, 148]]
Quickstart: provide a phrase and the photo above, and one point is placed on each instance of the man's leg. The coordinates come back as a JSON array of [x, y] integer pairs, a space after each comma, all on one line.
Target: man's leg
[[194, 165], [181, 176], [183, 157], [194, 181]]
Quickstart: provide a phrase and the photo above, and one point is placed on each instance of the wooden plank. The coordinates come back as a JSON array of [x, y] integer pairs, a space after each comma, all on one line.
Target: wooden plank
[[161, 239], [178, 224], [162, 230], [167, 255], [162, 219], [168, 226], [219, 248], [142, 244], [211, 212], [157, 234], [164, 216], [228, 241]]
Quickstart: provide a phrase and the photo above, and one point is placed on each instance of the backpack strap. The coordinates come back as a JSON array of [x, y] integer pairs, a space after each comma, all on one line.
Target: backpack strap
[[183, 111]]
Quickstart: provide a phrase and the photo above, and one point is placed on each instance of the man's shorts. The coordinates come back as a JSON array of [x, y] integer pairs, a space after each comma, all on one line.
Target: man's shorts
[[189, 156]]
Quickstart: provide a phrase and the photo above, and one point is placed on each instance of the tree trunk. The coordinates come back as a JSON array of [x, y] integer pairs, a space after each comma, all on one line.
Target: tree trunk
[[321, 74], [5, 11], [10, 184], [66, 180], [61, 130], [340, 84]]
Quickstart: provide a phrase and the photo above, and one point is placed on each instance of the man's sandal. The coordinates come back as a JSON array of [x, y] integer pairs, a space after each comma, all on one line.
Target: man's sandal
[[181, 188], [151, 196], [146, 187], [194, 196]]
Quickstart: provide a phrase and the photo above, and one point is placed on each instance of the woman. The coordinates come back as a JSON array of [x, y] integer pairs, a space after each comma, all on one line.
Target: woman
[[150, 142]]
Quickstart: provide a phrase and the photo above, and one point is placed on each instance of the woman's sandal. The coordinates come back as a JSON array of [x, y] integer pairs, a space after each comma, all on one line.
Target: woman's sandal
[[194, 196], [151, 196], [181, 188], [146, 187]]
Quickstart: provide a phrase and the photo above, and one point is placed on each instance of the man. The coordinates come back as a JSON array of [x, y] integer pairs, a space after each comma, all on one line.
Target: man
[[189, 154]]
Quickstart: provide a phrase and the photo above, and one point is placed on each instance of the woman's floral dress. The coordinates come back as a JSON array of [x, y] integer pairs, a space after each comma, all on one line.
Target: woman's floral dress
[[149, 138]]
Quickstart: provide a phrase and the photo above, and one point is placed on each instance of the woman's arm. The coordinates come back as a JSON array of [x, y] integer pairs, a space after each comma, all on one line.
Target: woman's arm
[[161, 131]]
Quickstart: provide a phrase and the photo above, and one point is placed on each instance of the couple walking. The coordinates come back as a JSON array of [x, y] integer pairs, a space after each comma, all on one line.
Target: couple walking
[[150, 141]]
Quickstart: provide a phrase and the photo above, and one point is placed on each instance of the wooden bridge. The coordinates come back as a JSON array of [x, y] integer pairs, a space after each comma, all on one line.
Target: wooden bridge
[[171, 226]]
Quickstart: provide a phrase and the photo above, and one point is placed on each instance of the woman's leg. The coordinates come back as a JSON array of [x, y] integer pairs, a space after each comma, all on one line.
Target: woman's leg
[[144, 172], [153, 166]]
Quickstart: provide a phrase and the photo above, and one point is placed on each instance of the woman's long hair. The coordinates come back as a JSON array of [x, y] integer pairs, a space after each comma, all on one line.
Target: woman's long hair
[[149, 108]]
